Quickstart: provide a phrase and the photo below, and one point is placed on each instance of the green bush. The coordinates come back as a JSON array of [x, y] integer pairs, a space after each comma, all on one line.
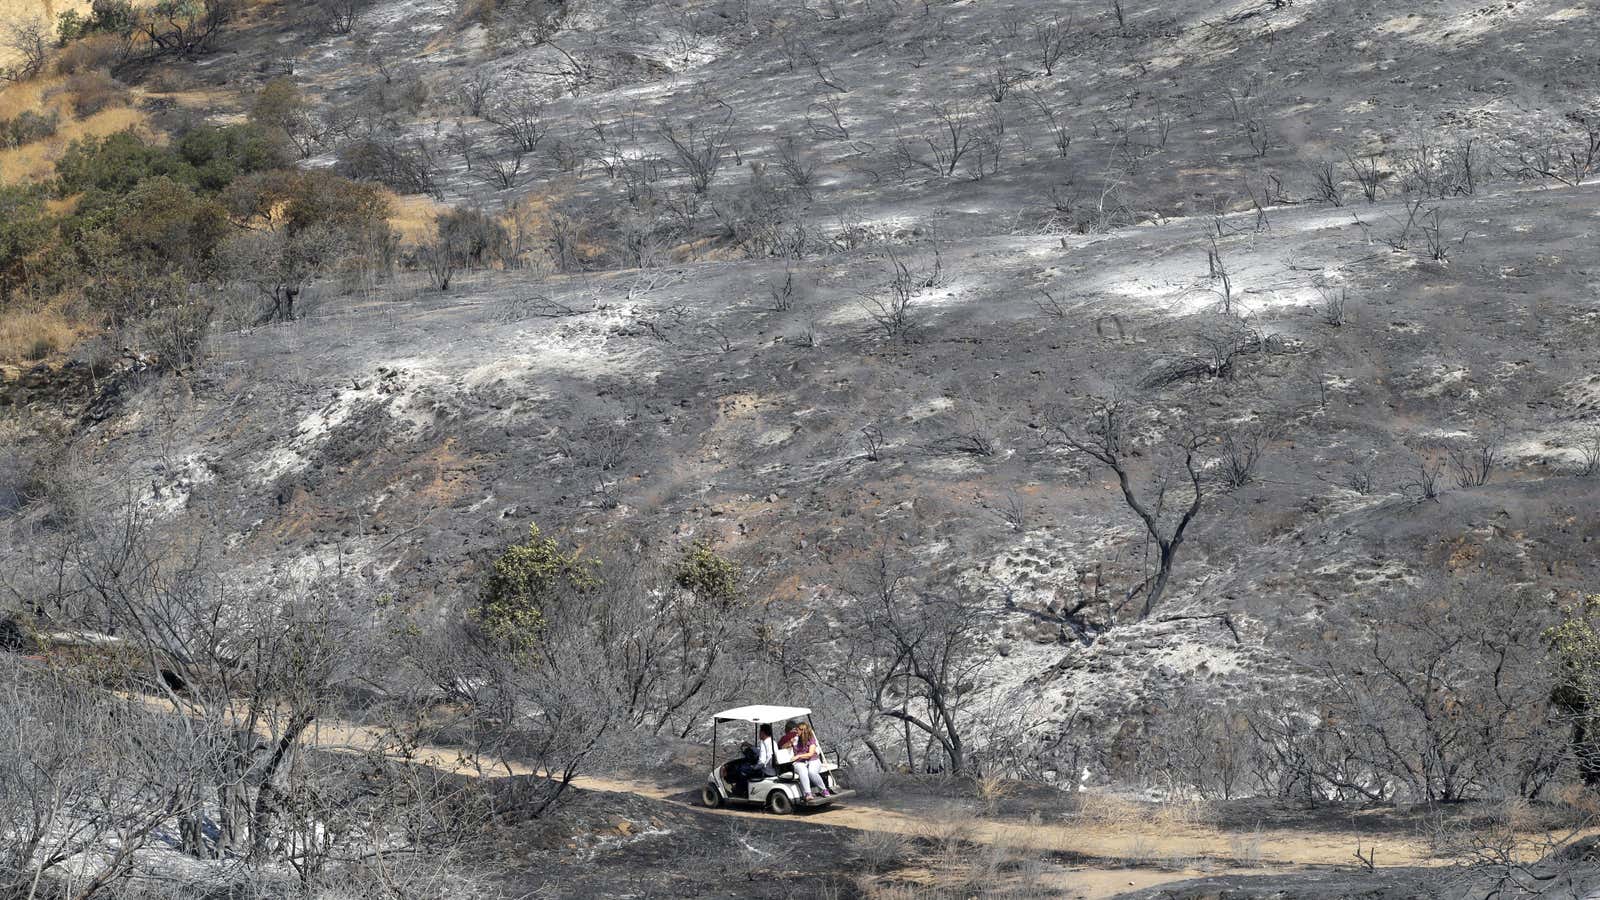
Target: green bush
[[105, 17], [709, 577], [221, 154], [27, 127], [524, 580], [116, 163], [471, 237], [25, 229]]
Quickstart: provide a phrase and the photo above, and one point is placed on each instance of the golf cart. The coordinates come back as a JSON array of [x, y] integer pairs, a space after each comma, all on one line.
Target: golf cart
[[780, 794]]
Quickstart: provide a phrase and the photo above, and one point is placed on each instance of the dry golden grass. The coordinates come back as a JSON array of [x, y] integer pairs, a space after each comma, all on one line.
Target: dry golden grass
[[29, 335], [39, 95], [1173, 814], [413, 215], [1109, 810], [23, 10], [36, 161], [991, 790]]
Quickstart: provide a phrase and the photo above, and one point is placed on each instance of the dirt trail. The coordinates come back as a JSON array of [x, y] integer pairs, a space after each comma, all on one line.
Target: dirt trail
[[1157, 853], [1142, 840]]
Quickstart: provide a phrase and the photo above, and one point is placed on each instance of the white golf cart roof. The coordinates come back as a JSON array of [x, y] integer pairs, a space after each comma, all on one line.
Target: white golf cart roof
[[762, 715]]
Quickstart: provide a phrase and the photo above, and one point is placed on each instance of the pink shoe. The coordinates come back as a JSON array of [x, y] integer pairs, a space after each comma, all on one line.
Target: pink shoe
[[809, 797]]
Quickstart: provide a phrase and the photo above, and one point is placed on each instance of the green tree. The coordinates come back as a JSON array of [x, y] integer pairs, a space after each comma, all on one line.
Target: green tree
[[1575, 645], [186, 28], [117, 162], [221, 154], [709, 577], [25, 228], [105, 16], [526, 579], [298, 226]]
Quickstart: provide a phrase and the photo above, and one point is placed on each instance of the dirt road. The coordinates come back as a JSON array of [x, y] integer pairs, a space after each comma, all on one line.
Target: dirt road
[[1136, 854]]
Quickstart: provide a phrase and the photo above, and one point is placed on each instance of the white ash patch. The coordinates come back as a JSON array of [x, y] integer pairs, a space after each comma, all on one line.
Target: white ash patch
[[1583, 395], [772, 437], [1361, 572], [170, 486], [1439, 378], [1565, 445], [389, 389], [1146, 659], [932, 407], [1037, 570], [609, 841], [955, 466]]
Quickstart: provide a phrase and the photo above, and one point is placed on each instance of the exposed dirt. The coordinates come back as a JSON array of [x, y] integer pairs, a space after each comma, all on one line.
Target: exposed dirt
[[401, 432], [1081, 860]]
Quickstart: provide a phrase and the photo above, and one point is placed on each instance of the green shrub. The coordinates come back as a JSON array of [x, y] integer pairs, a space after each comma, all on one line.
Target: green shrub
[[471, 237], [41, 348], [105, 17], [27, 127], [25, 228], [524, 580], [116, 163], [222, 154], [709, 577]]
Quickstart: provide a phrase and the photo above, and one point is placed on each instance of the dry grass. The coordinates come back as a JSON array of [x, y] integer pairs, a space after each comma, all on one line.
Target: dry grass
[[23, 10], [880, 851], [950, 831], [1174, 814], [30, 335], [36, 161], [94, 90], [21, 97], [412, 216], [1245, 848], [991, 790], [1579, 800], [1109, 810]]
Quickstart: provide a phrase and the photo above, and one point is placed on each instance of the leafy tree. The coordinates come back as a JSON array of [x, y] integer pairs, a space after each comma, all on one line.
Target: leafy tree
[[471, 237], [105, 17], [299, 225], [707, 576], [524, 580], [165, 224], [1575, 645], [221, 154], [25, 229], [116, 163]]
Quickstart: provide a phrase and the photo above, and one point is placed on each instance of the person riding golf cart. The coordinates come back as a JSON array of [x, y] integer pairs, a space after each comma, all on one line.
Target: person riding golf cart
[[741, 778]]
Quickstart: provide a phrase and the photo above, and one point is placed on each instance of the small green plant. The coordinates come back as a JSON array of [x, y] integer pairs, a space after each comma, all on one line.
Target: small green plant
[[523, 581], [1575, 646], [709, 577]]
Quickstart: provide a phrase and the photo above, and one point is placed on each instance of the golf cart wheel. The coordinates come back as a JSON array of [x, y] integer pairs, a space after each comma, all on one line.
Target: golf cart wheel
[[779, 804], [711, 797]]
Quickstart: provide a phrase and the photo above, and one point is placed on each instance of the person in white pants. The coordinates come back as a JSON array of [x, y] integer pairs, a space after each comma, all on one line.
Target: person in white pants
[[808, 763]]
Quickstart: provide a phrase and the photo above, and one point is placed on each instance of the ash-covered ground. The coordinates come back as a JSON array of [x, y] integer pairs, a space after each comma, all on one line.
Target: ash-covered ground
[[1147, 225]]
